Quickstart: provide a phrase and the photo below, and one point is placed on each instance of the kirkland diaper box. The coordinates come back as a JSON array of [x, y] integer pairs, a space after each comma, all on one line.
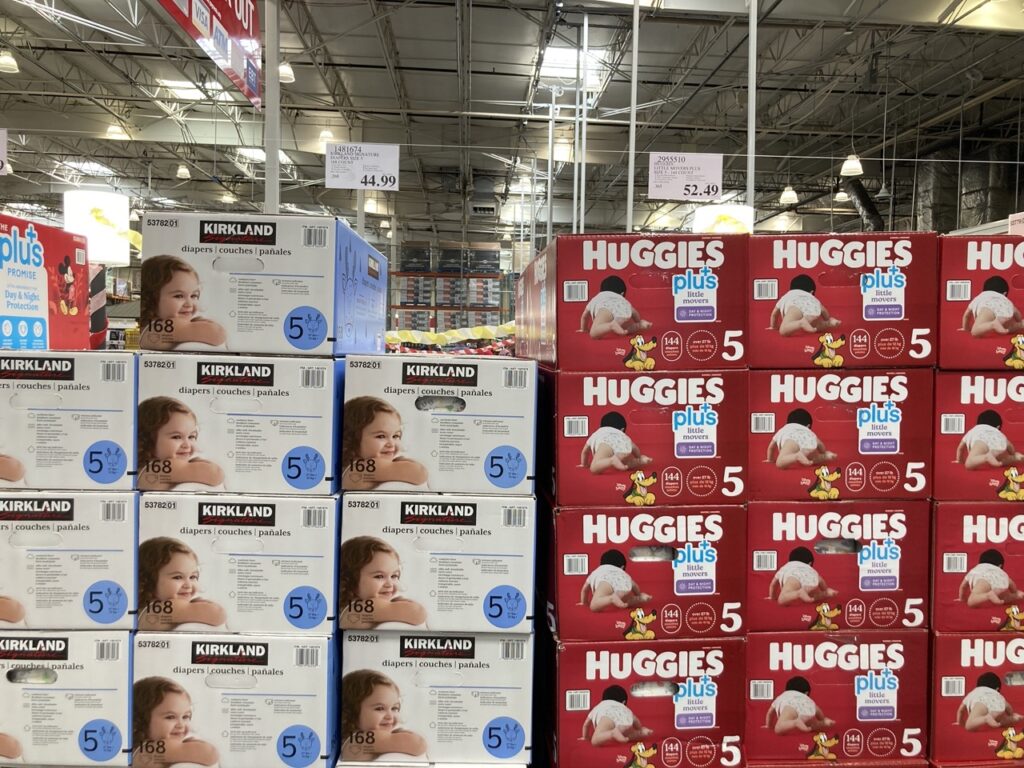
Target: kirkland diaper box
[[981, 297], [233, 424], [666, 703], [238, 700], [837, 565], [439, 423], [445, 698], [979, 436], [836, 436], [437, 563], [213, 562], [67, 420], [642, 575], [260, 284], [843, 301], [635, 303], [837, 696], [65, 698], [655, 439], [67, 560], [44, 287]]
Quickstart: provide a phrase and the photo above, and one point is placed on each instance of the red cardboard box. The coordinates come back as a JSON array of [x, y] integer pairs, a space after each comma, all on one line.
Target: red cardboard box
[[672, 702], [620, 574], [978, 567], [859, 696], [842, 435], [656, 439], [843, 301], [979, 436], [981, 299], [977, 697], [634, 303], [44, 287], [837, 565]]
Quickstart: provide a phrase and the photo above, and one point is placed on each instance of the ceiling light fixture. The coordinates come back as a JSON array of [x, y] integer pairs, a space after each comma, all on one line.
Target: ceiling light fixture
[[228, 198], [789, 196], [285, 73], [883, 192], [183, 172], [8, 64], [851, 166], [842, 197], [326, 136], [116, 133]]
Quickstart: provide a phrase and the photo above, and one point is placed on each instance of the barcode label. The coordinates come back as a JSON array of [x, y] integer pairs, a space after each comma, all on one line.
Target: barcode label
[[958, 290], [314, 237], [762, 690], [762, 423], [954, 562], [577, 701], [113, 371], [513, 650], [113, 511], [953, 687], [513, 517], [306, 656], [314, 517], [79, 256], [108, 650], [766, 290], [953, 424], [575, 290], [576, 426], [517, 378], [312, 378], [575, 565], [765, 560]]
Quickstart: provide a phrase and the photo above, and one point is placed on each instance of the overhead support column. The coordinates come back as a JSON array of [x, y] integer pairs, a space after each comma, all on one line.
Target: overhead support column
[[751, 99], [272, 111], [632, 116]]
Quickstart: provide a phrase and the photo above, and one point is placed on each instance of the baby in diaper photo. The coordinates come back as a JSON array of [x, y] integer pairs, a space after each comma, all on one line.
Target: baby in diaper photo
[[795, 710], [985, 707], [170, 315], [984, 445], [609, 447], [987, 583], [371, 449], [992, 312], [370, 587], [371, 715], [800, 311], [169, 588], [609, 586], [162, 727], [795, 444], [611, 722], [610, 312], [797, 581], [168, 455]]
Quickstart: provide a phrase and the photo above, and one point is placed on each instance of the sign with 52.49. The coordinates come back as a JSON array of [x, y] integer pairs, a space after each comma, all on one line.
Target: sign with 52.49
[[684, 176], [361, 166]]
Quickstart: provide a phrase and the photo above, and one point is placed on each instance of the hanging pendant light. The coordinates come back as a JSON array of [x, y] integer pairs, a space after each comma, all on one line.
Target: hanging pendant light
[[851, 166], [789, 196]]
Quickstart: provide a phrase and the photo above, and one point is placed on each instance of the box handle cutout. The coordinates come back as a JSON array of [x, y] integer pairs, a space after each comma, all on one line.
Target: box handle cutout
[[227, 405], [226, 545], [26, 539], [226, 680], [25, 400], [837, 546], [653, 554], [32, 676], [238, 264], [440, 403], [652, 688], [432, 543]]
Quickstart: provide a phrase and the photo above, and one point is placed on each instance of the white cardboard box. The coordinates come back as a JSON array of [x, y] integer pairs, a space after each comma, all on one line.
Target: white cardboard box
[[264, 564], [236, 424], [465, 562], [67, 420]]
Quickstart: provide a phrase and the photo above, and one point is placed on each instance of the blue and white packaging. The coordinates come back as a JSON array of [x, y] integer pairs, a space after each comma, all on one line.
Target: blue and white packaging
[[67, 420], [264, 564], [300, 285]]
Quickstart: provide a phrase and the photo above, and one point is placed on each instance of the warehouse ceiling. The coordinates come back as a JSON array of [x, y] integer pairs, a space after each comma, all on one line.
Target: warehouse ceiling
[[466, 86]]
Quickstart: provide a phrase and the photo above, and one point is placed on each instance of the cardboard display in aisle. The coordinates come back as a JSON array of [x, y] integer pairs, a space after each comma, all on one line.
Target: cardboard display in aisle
[[437, 423], [862, 300], [463, 698], [635, 303], [65, 698], [840, 435], [672, 573], [260, 284], [217, 563], [237, 424], [67, 420], [840, 565], [433, 563]]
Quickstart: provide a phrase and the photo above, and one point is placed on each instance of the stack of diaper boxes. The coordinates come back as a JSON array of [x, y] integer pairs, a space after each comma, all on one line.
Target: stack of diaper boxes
[[437, 559]]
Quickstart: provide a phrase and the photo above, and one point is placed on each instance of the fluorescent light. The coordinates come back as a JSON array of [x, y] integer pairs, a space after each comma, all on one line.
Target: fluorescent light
[[385, 224], [560, 64], [257, 155], [388, 234], [370, 205], [285, 73], [326, 135], [26, 206], [8, 64], [842, 197], [788, 196], [851, 166], [183, 172], [189, 91], [116, 133], [229, 198], [88, 168], [134, 215]]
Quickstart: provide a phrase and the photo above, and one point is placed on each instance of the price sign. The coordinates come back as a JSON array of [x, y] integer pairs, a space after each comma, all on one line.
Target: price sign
[[362, 166], [1016, 223], [684, 176], [4, 167]]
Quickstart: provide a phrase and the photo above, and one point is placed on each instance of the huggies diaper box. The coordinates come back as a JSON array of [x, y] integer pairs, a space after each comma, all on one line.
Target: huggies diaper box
[[233, 424], [44, 287], [213, 562], [845, 435], [635, 303], [436, 698], [67, 420], [438, 423], [234, 701], [653, 439], [843, 301], [979, 436], [981, 299], [65, 698], [431, 562], [837, 565], [674, 572], [859, 696], [67, 560], [264, 284], [667, 703]]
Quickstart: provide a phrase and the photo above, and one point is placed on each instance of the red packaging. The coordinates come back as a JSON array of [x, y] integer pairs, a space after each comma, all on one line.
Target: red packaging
[[860, 696], [979, 436], [978, 567], [673, 573], [843, 301], [982, 284], [677, 702], [837, 565], [977, 697], [635, 303], [845, 435], [676, 438]]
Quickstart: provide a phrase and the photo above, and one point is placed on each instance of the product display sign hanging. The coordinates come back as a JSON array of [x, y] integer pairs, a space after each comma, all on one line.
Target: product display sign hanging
[[361, 166], [1015, 222], [684, 176]]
